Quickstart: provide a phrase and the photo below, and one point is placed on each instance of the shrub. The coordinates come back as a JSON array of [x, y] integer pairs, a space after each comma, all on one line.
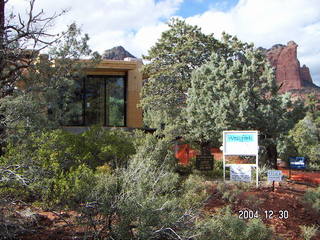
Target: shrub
[[229, 192], [308, 232], [67, 189], [59, 164], [144, 199], [312, 197], [193, 191], [225, 226]]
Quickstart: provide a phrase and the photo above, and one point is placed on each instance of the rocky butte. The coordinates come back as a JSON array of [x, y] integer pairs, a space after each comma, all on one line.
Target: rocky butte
[[290, 75], [117, 53]]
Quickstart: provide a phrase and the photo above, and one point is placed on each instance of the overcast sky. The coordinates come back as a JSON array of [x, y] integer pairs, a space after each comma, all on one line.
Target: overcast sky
[[137, 24]]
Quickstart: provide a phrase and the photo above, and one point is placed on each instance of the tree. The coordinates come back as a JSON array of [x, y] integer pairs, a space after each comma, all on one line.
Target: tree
[[46, 92], [179, 51], [305, 137], [236, 90], [21, 40]]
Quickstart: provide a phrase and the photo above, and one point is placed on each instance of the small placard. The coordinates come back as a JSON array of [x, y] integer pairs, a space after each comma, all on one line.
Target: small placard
[[297, 162], [274, 176], [204, 162]]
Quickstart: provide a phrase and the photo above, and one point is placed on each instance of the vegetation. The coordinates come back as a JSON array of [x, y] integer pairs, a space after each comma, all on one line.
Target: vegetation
[[312, 197], [199, 86], [226, 226], [237, 90], [308, 232], [305, 137], [59, 166], [127, 185], [179, 51]]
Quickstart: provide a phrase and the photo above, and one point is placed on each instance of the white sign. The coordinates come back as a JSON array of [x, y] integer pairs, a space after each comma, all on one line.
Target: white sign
[[240, 173], [240, 143], [274, 175]]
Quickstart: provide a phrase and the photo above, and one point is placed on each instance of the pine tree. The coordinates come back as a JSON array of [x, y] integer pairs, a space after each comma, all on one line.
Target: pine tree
[[236, 90], [179, 51]]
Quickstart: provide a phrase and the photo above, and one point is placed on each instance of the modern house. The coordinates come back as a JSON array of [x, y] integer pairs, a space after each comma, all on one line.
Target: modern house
[[109, 96]]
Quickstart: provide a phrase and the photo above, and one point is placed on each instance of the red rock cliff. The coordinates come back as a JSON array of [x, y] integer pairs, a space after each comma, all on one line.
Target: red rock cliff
[[289, 74], [284, 60]]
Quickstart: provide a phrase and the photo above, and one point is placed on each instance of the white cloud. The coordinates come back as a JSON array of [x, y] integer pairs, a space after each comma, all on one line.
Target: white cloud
[[131, 23], [136, 24], [266, 23]]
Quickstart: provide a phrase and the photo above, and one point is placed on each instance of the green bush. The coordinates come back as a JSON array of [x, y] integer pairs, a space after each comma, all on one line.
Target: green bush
[[59, 164], [225, 226], [308, 232], [230, 192], [312, 197], [194, 192], [67, 189], [145, 198]]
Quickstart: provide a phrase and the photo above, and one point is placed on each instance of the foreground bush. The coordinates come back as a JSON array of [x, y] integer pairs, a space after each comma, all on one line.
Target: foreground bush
[[312, 197], [60, 167], [144, 200], [225, 226]]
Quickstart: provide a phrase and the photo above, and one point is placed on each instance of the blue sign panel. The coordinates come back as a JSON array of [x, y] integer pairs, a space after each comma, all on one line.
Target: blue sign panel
[[240, 137], [297, 162]]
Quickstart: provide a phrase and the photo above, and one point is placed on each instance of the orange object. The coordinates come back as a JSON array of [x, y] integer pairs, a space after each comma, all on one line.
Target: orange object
[[184, 153]]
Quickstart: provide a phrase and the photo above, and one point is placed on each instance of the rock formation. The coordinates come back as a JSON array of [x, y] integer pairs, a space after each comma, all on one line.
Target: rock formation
[[290, 76], [117, 53]]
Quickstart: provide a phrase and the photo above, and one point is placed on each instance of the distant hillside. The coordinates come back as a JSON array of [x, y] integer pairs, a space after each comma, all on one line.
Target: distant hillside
[[117, 53]]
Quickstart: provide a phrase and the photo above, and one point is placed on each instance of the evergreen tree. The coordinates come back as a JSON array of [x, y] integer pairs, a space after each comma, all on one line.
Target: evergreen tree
[[305, 137], [236, 90], [179, 51]]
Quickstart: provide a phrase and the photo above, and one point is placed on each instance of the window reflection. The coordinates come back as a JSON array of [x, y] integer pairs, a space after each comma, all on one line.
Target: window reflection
[[115, 101], [99, 100]]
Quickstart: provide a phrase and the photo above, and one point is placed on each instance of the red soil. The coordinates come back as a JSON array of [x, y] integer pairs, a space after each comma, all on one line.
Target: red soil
[[302, 176], [286, 197]]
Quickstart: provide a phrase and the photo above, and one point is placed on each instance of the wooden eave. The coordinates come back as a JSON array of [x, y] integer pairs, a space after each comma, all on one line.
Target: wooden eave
[[113, 65]]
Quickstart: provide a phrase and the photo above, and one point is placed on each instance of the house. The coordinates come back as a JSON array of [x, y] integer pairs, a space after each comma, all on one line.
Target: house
[[109, 96]]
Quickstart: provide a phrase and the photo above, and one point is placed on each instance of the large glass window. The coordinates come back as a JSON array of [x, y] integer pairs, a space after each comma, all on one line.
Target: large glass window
[[102, 100], [115, 101], [74, 111]]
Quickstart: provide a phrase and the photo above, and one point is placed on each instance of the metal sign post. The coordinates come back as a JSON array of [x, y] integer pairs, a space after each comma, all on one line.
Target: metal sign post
[[240, 143]]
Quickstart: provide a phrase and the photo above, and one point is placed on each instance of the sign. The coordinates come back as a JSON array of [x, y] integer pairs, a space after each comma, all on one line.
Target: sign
[[204, 162], [297, 162], [240, 143], [274, 176], [240, 173]]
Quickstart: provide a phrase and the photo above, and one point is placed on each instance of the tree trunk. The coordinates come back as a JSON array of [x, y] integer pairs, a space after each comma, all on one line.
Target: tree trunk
[[205, 148], [272, 155]]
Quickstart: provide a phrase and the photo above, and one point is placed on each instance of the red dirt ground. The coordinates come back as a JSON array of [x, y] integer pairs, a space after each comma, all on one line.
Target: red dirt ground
[[287, 197], [303, 176]]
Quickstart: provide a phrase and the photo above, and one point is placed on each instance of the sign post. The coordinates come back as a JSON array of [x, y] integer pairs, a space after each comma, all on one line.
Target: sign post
[[240, 143]]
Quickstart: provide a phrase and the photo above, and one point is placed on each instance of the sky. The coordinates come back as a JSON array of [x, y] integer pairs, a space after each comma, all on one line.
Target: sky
[[137, 24]]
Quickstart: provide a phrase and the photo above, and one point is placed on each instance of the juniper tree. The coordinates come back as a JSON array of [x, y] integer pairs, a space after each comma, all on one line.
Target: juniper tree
[[179, 51], [237, 90]]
